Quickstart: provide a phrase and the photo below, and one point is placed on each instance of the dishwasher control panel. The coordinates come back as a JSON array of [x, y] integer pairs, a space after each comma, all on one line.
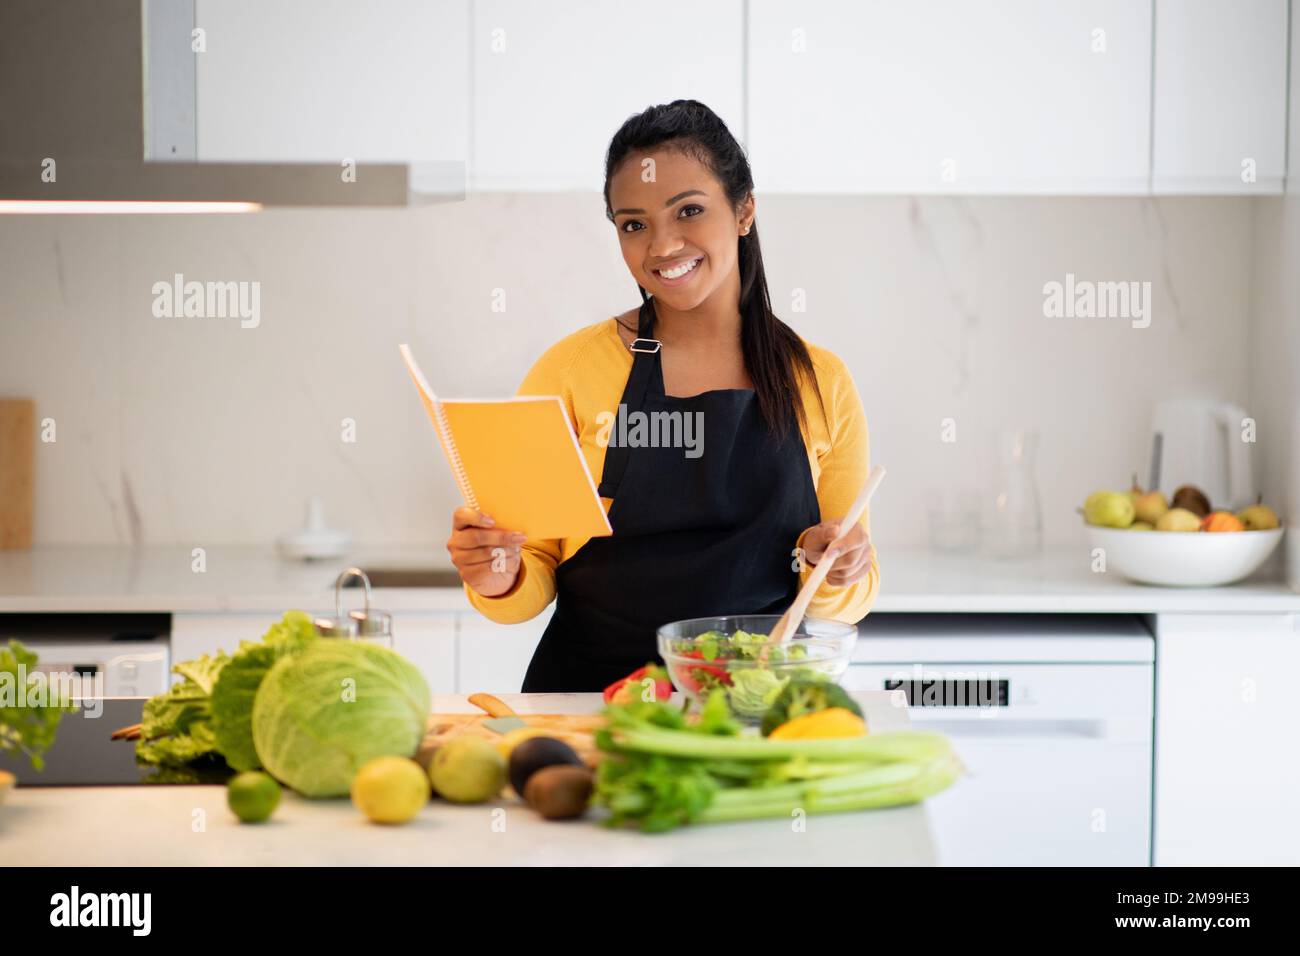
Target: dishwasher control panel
[[938, 692]]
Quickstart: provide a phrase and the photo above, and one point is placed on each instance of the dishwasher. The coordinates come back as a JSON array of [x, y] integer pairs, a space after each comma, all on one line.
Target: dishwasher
[[111, 662], [1052, 716]]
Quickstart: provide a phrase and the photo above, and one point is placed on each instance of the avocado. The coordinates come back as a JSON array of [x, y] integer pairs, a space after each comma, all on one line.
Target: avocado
[[531, 755]]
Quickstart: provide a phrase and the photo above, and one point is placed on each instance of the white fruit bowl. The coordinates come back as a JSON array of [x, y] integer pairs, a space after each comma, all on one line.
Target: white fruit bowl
[[1184, 559]]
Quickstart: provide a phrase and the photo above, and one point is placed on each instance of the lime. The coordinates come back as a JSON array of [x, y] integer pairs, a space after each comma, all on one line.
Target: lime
[[390, 789], [253, 796]]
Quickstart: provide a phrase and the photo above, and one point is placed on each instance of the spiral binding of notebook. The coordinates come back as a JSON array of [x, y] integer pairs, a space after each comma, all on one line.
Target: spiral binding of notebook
[[444, 430], [453, 456]]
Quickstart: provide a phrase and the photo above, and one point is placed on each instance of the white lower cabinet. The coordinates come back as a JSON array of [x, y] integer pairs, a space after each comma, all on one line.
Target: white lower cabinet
[[494, 657], [1226, 780], [429, 642], [194, 635], [1051, 716], [458, 652]]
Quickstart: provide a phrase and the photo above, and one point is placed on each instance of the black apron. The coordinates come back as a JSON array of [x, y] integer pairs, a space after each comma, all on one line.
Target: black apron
[[693, 537]]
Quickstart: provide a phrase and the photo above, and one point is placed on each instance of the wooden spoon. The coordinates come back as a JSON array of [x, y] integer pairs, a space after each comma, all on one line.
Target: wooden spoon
[[791, 619], [492, 706]]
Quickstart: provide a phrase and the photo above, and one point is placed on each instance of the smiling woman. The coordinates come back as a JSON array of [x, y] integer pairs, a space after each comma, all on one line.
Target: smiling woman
[[734, 528]]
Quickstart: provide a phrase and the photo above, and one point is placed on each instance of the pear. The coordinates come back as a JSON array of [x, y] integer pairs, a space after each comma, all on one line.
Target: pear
[[1142, 526], [1135, 491], [1109, 509], [1258, 517], [1179, 519], [1150, 506]]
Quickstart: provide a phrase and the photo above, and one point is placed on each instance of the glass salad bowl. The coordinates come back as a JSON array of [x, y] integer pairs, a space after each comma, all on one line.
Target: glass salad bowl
[[729, 652]]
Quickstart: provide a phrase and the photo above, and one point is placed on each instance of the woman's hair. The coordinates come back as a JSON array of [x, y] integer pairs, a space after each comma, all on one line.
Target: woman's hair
[[775, 357]]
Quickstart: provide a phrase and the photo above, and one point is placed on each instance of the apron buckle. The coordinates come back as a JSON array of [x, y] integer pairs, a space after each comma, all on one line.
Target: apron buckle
[[640, 345]]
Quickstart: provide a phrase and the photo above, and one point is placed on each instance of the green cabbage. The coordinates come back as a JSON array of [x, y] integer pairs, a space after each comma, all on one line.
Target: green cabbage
[[320, 714]]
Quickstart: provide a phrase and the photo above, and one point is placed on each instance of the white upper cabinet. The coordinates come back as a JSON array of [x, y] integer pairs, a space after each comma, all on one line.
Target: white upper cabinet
[[327, 80], [950, 96], [554, 81], [1220, 96], [1021, 97]]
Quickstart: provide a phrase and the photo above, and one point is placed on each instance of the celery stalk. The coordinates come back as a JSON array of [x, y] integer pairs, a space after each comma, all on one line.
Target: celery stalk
[[756, 803], [893, 746], [879, 776]]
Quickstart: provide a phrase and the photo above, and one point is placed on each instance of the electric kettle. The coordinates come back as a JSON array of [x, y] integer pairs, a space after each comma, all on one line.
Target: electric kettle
[[1203, 442]]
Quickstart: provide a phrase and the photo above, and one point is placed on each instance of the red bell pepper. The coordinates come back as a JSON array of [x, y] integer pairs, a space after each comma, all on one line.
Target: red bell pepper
[[626, 689], [702, 677]]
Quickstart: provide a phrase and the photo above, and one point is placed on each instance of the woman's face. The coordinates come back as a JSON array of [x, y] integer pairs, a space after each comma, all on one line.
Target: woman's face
[[676, 227]]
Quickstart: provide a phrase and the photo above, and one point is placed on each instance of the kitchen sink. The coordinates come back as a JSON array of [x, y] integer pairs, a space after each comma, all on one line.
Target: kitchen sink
[[408, 578]]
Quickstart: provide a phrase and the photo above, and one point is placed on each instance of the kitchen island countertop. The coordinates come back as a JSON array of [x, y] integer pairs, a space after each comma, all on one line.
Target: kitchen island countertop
[[180, 826]]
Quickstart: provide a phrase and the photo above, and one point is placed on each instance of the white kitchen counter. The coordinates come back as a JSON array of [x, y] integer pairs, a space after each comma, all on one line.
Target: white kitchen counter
[[1058, 581], [170, 826], [155, 579], [256, 580]]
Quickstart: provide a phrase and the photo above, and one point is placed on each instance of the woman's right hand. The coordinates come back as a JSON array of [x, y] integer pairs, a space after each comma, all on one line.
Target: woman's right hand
[[474, 537]]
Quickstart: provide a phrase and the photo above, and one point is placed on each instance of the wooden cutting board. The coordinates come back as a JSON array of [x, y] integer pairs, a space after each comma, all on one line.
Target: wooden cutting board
[[576, 730], [17, 472]]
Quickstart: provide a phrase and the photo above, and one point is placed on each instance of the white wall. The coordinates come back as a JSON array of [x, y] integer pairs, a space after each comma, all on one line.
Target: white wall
[[195, 431], [1275, 335]]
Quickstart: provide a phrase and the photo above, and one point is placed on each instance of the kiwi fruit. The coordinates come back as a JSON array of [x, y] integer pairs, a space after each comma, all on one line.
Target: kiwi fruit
[[1193, 499], [559, 792]]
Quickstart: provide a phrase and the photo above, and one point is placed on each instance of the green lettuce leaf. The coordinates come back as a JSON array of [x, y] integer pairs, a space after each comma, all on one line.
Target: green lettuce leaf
[[754, 689], [203, 671], [174, 728], [236, 687], [29, 729]]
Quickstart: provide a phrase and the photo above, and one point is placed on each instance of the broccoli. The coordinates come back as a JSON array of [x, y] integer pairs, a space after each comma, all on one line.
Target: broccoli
[[802, 696]]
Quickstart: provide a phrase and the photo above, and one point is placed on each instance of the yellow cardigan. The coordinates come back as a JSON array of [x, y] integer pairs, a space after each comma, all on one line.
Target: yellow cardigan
[[589, 371]]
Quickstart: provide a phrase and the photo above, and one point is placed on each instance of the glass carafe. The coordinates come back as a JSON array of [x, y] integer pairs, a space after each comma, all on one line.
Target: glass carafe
[[1013, 525]]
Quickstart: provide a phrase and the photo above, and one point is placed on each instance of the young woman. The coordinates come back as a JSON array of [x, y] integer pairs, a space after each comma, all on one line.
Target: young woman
[[732, 526]]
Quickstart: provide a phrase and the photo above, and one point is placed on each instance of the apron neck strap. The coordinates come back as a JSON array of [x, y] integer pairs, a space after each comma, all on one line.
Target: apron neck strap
[[645, 323], [645, 365]]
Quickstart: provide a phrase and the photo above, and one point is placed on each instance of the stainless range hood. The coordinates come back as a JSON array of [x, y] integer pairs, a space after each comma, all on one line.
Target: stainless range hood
[[97, 114]]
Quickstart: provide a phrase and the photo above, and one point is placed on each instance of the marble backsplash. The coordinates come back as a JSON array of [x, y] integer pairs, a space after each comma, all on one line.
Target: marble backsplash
[[194, 431]]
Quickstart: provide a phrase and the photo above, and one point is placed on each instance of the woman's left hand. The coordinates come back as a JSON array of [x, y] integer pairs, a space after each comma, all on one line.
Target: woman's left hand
[[856, 551]]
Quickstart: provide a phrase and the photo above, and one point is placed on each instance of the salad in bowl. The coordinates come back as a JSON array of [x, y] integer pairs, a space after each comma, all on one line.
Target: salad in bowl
[[735, 654]]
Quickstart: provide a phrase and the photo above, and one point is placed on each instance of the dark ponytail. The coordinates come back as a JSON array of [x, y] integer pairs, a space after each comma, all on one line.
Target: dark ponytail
[[775, 357]]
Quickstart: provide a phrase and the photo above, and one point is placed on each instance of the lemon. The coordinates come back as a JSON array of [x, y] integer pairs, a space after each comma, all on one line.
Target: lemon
[[253, 796], [390, 789]]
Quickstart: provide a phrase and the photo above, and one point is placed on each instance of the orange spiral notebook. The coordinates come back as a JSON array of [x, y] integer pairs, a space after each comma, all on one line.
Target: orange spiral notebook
[[517, 460]]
